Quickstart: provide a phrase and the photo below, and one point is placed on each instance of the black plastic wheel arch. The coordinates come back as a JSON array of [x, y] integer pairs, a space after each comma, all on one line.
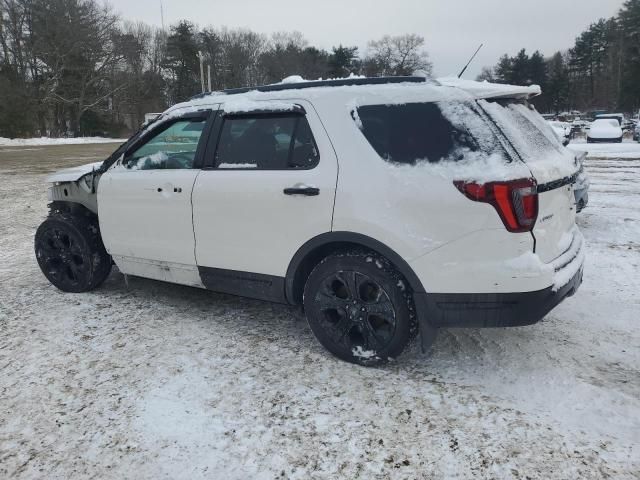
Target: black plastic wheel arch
[[294, 283], [315, 249]]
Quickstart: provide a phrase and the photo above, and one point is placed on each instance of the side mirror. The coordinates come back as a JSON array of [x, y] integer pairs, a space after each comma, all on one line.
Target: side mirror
[[565, 142]]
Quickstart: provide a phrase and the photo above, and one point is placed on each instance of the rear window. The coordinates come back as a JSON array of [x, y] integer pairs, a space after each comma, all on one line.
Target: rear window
[[426, 132], [529, 133]]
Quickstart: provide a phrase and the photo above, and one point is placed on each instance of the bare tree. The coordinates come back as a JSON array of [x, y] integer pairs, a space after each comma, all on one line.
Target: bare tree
[[75, 40], [399, 55], [241, 50]]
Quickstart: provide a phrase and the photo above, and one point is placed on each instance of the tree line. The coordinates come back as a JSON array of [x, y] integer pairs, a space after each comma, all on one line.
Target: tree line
[[600, 72], [73, 67]]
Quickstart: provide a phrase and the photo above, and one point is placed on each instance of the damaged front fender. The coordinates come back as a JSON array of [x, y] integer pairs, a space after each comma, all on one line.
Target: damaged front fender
[[76, 185]]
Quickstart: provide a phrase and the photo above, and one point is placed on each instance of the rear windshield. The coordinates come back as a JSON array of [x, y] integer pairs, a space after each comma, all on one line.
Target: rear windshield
[[427, 132], [527, 131]]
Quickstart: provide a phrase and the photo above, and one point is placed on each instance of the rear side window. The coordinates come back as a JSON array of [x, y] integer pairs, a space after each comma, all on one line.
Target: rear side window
[[266, 142], [417, 132]]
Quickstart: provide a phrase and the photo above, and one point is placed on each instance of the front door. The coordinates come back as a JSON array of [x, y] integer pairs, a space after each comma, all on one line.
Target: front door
[[269, 188], [144, 203]]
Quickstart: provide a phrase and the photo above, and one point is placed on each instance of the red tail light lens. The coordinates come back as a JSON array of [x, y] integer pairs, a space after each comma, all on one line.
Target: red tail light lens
[[516, 201]]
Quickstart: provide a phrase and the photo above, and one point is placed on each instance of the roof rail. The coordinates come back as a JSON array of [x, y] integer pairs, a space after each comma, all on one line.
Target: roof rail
[[342, 82]]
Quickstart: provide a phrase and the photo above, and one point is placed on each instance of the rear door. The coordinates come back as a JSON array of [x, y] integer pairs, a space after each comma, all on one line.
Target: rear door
[[553, 166], [268, 186], [144, 202]]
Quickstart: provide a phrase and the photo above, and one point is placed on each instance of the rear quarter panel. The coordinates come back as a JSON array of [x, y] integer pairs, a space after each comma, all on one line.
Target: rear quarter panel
[[414, 212]]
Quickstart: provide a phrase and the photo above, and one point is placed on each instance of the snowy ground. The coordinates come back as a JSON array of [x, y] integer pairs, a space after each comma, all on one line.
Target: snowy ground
[[625, 150], [21, 142], [158, 381]]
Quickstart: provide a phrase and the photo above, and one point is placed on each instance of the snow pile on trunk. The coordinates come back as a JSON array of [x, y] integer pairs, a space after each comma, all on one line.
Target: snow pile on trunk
[[564, 267]]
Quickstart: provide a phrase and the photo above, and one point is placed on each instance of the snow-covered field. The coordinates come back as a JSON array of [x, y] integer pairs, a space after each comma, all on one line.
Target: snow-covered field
[[159, 381], [625, 150], [21, 142]]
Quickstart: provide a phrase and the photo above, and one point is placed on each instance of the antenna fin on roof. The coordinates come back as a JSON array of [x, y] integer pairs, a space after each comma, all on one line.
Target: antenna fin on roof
[[470, 60]]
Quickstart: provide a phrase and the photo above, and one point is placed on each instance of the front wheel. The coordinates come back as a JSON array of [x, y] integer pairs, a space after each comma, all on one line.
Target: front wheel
[[359, 308], [70, 252]]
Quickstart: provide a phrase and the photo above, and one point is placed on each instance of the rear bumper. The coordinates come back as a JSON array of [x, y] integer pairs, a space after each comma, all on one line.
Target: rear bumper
[[478, 310], [493, 309]]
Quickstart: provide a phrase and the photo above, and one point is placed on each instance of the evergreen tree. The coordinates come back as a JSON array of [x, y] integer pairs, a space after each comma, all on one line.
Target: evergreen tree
[[520, 71], [503, 70], [557, 90], [630, 51], [182, 63], [342, 61]]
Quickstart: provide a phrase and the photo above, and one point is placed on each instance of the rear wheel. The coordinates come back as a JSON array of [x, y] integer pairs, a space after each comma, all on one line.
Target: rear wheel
[[359, 308], [70, 252]]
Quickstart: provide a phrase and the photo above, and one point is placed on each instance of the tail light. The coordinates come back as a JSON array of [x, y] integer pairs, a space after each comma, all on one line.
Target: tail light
[[516, 201]]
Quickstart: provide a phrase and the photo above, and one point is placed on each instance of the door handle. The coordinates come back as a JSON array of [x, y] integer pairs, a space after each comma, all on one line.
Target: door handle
[[302, 190]]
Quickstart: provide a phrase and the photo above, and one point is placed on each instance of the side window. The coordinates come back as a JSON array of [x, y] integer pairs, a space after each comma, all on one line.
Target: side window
[[173, 148], [267, 142], [413, 132]]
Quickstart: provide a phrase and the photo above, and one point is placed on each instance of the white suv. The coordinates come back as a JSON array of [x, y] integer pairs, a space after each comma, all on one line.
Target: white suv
[[386, 207]]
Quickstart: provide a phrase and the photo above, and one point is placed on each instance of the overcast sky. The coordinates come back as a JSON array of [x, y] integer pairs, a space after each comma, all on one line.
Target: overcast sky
[[453, 29]]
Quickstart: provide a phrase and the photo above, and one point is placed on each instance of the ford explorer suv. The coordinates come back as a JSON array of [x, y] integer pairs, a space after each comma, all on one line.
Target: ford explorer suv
[[386, 207]]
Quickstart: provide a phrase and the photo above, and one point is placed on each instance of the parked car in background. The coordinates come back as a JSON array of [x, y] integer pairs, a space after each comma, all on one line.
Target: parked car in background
[[605, 130], [628, 126], [562, 130], [636, 132], [619, 117], [578, 126], [581, 186]]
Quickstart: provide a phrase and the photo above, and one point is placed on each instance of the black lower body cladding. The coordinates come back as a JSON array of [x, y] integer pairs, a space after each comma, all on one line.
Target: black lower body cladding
[[479, 310]]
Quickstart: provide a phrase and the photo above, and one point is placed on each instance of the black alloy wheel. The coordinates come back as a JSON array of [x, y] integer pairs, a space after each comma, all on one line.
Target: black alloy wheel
[[70, 253], [359, 308]]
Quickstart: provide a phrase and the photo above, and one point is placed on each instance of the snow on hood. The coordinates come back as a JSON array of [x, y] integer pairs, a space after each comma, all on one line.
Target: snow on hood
[[72, 174], [491, 90]]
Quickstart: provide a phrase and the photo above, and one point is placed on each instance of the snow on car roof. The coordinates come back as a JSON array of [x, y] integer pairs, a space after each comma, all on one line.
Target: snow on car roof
[[388, 90]]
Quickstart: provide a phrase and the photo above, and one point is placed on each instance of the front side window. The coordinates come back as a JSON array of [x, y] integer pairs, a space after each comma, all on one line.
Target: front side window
[[173, 148], [267, 142]]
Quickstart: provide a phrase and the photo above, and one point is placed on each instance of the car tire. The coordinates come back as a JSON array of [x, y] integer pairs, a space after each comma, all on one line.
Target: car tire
[[70, 252], [359, 308]]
